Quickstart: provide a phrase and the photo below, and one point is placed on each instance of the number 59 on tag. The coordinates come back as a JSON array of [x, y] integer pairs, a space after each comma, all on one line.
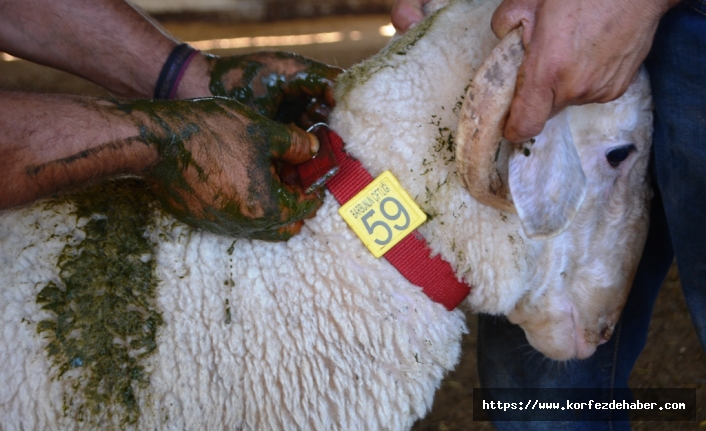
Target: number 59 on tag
[[382, 214]]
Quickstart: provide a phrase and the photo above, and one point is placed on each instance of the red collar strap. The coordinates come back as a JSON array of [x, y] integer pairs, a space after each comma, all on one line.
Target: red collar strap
[[411, 256]]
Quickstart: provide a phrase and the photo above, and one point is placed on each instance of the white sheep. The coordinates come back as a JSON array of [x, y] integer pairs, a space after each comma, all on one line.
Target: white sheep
[[313, 333]]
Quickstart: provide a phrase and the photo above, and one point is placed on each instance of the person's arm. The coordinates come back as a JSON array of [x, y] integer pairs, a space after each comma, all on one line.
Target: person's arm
[[112, 44], [51, 142], [115, 45], [106, 41], [209, 160]]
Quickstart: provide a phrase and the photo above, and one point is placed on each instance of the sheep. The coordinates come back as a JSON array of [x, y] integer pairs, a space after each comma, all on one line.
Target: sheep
[[115, 315]]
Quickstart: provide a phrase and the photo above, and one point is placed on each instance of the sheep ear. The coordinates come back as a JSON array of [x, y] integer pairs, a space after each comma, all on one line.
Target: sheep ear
[[546, 180]]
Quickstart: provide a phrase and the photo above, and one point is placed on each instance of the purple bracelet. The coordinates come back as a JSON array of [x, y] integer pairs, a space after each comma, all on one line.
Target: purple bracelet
[[173, 71]]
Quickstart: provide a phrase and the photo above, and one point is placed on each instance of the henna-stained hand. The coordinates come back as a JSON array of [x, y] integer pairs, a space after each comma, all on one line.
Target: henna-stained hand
[[282, 86], [217, 166]]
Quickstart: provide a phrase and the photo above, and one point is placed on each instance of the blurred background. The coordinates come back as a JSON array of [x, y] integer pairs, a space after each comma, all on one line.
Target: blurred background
[[344, 32]]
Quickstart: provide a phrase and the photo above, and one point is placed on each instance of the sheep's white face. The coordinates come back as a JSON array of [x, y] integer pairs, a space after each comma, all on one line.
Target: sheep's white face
[[582, 277]]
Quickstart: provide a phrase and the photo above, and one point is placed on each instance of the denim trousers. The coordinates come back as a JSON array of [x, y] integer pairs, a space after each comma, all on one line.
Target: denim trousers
[[677, 68]]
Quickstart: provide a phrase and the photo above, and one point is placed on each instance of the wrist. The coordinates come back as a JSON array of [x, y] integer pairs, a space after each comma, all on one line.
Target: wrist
[[652, 10], [184, 75], [164, 131]]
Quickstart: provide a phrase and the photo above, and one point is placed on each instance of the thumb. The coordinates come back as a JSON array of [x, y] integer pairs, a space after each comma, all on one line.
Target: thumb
[[531, 107], [300, 146], [512, 14], [407, 13]]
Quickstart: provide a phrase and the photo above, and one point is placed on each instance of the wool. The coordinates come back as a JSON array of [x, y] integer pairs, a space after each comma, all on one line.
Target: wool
[[315, 333]]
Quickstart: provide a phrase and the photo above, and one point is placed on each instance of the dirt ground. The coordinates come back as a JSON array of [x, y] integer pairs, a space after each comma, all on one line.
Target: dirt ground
[[673, 357]]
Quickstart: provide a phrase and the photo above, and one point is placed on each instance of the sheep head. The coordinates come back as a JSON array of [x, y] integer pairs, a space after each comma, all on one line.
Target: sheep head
[[556, 249], [546, 182], [589, 266]]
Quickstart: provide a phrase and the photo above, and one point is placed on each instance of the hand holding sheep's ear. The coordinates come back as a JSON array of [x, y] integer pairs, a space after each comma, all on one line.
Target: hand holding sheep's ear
[[281, 86], [577, 52], [216, 171]]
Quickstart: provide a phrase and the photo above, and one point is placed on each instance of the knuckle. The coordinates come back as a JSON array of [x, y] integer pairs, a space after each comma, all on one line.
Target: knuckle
[[571, 91], [615, 91], [404, 14], [510, 15], [501, 24]]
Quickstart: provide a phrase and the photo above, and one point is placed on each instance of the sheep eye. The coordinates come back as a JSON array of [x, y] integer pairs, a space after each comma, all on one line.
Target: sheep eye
[[617, 155]]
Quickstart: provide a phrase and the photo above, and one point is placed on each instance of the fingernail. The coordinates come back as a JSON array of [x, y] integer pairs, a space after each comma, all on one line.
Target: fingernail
[[313, 143], [512, 136]]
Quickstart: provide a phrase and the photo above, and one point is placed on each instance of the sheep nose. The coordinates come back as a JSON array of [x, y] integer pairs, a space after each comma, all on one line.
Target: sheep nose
[[605, 334]]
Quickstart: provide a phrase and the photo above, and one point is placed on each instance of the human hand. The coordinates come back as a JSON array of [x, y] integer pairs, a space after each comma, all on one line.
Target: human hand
[[218, 166], [407, 13], [577, 52], [282, 86]]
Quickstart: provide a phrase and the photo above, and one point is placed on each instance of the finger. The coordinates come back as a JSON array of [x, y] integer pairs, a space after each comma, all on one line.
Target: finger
[[281, 234], [510, 15], [315, 82], [289, 174], [308, 95], [531, 106], [291, 229], [332, 72], [294, 145], [329, 97], [317, 112], [296, 205], [406, 14]]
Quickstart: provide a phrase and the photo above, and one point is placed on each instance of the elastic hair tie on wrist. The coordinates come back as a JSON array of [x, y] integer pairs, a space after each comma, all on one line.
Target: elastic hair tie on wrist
[[173, 71]]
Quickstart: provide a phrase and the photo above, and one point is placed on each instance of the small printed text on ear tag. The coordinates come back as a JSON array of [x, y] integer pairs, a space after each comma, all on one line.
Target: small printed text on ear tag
[[382, 214]]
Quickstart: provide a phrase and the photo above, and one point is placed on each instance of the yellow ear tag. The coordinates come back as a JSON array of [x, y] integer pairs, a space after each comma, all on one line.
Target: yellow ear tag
[[382, 214]]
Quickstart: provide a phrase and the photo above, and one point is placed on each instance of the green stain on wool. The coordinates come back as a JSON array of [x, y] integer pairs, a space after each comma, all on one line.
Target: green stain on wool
[[229, 317], [103, 319], [362, 72]]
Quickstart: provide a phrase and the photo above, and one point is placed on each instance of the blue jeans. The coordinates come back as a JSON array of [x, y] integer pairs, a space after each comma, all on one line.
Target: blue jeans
[[677, 67]]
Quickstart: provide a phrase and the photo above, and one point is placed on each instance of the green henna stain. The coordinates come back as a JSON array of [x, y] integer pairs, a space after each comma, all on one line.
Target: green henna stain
[[228, 316], [230, 218], [168, 129], [103, 319], [172, 127], [168, 140], [264, 104], [34, 170], [221, 66], [272, 94]]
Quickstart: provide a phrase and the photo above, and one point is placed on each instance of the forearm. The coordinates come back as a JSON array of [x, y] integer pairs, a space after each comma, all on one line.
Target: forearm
[[106, 41], [48, 143]]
